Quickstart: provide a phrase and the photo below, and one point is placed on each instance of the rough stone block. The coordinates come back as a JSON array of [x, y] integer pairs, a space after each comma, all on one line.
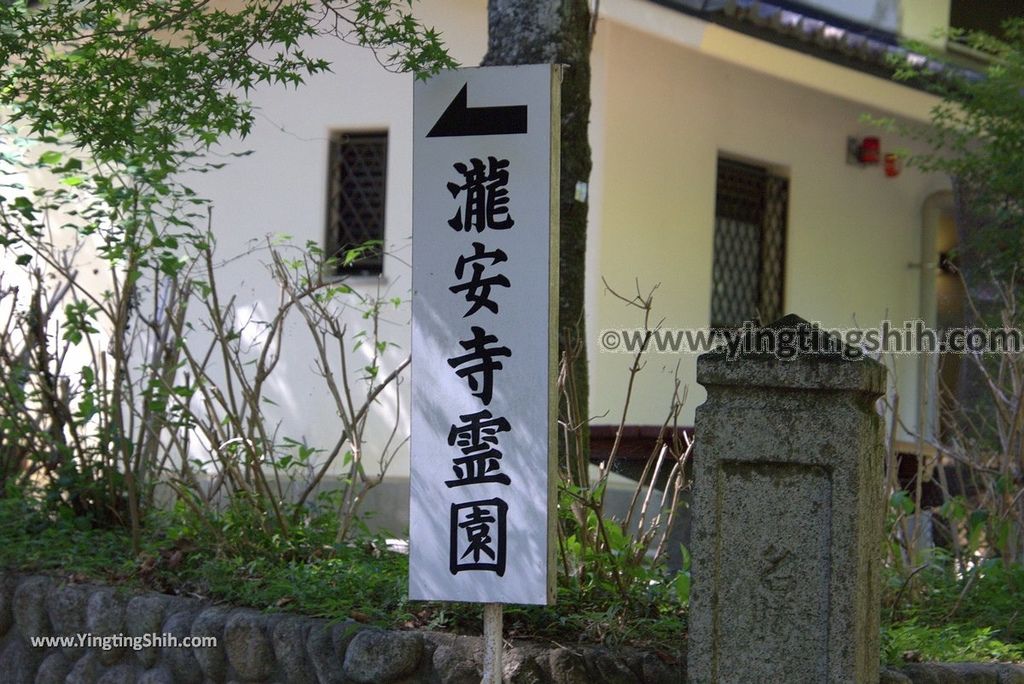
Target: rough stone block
[[104, 617], [327, 663], [145, 615], [888, 676], [568, 667], [54, 669], [963, 673], [525, 664], [87, 670], [29, 606], [157, 675], [453, 668], [120, 674], [210, 623], [247, 645], [655, 671], [787, 519], [1011, 674], [605, 668], [19, 662], [181, 662], [378, 657], [289, 641], [67, 607]]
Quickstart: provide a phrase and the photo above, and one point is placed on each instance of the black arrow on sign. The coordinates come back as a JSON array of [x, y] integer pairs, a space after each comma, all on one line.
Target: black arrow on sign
[[459, 120]]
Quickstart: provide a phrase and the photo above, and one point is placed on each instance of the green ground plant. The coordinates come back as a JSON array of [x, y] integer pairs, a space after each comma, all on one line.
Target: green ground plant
[[106, 109], [360, 579], [107, 102], [968, 591], [977, 617]]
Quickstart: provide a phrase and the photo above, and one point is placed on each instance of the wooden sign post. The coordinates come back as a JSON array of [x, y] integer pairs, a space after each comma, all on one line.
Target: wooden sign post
[[485, 303]]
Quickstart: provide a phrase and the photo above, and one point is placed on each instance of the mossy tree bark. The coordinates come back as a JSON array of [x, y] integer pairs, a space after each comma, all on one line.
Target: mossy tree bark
[[559, 32]]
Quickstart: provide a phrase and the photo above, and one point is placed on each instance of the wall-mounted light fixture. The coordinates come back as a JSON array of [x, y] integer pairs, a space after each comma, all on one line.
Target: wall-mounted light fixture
[[863, 151], [893, 164], [867, 151], [947, 264]]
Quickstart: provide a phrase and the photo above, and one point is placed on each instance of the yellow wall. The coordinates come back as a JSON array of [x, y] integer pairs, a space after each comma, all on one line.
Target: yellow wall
[[921, 19], [668, 111]]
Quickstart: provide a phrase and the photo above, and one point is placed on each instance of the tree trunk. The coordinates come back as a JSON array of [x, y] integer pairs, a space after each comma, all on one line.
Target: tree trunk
[[559, 32]]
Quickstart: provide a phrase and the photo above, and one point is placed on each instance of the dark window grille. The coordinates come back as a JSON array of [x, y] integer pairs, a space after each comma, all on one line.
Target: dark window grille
[[985, 16], [749, 249], [356, 199]]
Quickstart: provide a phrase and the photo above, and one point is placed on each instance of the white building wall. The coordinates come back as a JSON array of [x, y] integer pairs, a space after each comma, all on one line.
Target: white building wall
[[662, 113], [281, 188]]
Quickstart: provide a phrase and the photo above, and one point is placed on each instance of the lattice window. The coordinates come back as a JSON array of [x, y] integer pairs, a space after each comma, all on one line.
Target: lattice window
[[750, 236], [356, 198], [985, 16]]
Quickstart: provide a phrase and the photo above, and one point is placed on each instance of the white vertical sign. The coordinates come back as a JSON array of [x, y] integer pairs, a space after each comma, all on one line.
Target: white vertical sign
[[485, 302]]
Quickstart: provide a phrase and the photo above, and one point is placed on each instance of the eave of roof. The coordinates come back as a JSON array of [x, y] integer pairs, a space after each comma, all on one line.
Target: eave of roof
[[838, 41]]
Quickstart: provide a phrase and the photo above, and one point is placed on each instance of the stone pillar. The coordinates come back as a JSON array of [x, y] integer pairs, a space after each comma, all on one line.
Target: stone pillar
[[788, 517]]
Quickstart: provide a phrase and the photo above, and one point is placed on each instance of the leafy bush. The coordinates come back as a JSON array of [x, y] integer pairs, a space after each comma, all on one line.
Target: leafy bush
[[910, 641], [106, 107]]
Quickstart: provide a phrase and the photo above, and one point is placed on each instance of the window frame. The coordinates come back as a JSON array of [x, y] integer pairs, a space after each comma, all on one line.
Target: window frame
[[338, 237], [771, 207]]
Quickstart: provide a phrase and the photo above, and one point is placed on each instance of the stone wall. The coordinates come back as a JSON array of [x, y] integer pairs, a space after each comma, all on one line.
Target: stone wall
[[257, 647]]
